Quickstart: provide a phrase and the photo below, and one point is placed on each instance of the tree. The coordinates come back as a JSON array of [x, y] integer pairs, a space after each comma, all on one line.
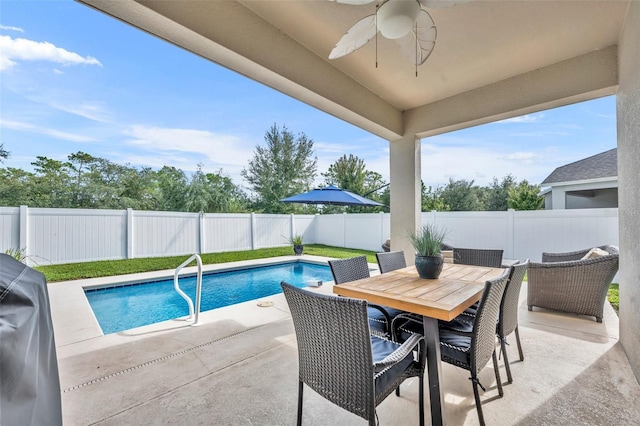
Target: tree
[[226, 196], [497, 194], [51, 183], [199, 196], [525, 197], [4, 154], [79, 165], [139, 188], [285, 167], [461, 196], [16, 187], [350, 173], [347, 173], [432, 199], [172, 186]]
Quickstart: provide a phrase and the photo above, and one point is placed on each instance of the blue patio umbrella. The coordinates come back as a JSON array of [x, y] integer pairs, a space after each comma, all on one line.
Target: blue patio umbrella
[[331, 195]]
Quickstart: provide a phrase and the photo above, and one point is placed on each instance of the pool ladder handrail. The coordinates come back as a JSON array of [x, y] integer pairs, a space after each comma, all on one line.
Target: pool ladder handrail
[[198, 288]]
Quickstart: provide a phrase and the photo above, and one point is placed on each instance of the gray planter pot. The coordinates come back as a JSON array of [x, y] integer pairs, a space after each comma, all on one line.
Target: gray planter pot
[[298, 249], [429, 267]]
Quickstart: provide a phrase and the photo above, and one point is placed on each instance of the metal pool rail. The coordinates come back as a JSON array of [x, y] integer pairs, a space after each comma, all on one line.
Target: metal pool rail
[[198, 288]]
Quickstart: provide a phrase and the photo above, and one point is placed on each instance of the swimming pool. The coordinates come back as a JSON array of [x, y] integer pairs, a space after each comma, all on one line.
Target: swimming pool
[[127, 306]]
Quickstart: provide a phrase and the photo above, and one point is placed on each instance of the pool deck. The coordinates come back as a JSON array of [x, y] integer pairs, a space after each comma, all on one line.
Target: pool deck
[[239, 367]]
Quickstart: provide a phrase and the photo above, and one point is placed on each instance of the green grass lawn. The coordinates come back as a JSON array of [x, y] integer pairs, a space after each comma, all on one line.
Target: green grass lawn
[[106, 268], [613, 296]]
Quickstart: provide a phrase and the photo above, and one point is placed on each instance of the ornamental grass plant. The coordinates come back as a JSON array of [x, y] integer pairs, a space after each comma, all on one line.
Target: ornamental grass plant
[[427, 241]]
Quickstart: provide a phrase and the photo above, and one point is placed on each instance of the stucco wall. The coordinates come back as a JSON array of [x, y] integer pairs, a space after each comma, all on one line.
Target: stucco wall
[[628, 106]]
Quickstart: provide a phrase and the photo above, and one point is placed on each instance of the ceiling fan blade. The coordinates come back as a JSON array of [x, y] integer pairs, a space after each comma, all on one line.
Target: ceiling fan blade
[[419, 43], [441, 4], [356, 37]]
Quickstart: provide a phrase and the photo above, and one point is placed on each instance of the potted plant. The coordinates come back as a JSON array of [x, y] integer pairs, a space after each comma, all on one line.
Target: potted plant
[[427, 241], [296, 242]]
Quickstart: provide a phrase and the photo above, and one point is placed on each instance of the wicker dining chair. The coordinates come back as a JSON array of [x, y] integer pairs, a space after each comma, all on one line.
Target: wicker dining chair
[[473, 352], [356, 268], [390, 261], [507, 318], [567, 282], [352, 368], [470, 351], [478, 257]]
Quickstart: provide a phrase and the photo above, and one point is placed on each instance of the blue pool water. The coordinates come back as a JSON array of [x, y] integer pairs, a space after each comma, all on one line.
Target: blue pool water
[[134, 305]]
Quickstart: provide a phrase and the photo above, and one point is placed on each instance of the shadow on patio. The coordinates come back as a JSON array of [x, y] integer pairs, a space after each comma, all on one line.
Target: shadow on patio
[[240, 368]]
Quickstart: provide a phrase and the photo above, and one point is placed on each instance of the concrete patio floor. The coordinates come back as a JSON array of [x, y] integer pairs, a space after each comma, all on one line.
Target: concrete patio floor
[[240, 368]]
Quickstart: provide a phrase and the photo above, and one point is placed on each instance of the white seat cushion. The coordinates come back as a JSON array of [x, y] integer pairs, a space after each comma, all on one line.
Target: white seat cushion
[[594, 252]]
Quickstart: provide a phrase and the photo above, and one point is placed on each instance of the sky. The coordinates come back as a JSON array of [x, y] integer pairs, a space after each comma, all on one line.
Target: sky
[[73, 79]]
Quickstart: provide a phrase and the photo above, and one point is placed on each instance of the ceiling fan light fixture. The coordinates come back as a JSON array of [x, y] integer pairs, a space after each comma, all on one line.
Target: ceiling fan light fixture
[[397, 17]]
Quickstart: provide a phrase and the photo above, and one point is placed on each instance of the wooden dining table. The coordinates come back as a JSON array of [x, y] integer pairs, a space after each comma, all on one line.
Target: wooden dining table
[[457, 288]]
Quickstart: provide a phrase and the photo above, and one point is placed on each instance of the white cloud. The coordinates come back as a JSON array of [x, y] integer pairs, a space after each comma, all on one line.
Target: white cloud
[[57, 134], [528, 118], [90, 110], [9, 28], [521, 156], [190, 147], [481, 164], [20, 49]]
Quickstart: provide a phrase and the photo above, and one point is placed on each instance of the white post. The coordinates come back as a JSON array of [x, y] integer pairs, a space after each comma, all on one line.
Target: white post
[[129, 254], [382, 239], [253, 231], [510, 233], [24, 232], [344, 229], [292, 225], [201, 233]]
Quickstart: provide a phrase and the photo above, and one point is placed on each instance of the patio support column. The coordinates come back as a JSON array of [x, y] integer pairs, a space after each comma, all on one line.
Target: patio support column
[[404, 158], [628, 112]]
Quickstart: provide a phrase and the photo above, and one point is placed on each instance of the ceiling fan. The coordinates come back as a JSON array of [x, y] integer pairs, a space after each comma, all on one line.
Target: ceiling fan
[[402, 20]]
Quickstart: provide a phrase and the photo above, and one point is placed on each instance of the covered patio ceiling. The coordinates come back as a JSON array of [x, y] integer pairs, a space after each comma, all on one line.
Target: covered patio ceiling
[[492, 59]]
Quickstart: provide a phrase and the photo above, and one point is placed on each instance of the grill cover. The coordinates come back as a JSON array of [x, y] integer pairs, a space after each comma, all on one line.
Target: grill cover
[[29, 381]]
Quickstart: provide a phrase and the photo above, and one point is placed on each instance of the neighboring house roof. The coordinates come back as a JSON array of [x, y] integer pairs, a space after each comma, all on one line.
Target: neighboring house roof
[[601, 165]]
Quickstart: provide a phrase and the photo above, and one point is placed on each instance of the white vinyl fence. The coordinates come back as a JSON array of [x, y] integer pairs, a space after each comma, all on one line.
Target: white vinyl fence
[[53, 236]]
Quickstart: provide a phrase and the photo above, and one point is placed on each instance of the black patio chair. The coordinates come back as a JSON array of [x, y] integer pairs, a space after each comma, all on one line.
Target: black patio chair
[[473, 352], [507, 318], [340, 360], [470, 351], [390, 261], [478, 257], [356, 268]]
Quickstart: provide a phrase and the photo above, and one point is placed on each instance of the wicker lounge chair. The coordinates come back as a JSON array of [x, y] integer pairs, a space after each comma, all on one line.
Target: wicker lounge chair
[[567, 282], [351, 368], [479, 257]]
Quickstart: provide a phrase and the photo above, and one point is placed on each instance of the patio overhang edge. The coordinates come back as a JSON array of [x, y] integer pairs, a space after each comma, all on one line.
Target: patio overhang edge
[[312, 80], [585, 77]]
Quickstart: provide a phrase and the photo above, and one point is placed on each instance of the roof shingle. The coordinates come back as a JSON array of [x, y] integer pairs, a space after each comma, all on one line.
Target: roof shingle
[[597, 166]]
